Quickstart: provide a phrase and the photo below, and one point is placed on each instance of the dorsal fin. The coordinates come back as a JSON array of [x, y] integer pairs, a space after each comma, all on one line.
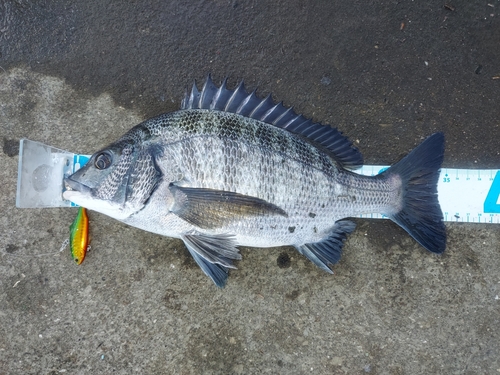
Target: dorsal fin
[[247, 104]]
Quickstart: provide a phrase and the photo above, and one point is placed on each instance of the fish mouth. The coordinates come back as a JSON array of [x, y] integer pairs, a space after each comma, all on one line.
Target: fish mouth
[[78, 186]]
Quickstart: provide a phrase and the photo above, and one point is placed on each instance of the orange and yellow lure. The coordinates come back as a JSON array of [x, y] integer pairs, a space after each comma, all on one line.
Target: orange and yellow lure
[[79, 236]]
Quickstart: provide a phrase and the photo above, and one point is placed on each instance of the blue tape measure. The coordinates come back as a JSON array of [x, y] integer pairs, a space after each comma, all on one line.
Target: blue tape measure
[[465, 195]]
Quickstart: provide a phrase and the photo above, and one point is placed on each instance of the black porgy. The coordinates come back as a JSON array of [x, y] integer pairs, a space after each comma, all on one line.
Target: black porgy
[[230, 169]]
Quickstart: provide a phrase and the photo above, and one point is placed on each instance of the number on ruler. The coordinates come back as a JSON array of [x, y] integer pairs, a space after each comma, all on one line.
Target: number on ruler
[[490, 203]]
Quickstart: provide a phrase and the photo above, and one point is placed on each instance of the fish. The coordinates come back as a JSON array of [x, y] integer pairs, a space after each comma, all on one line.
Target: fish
[[231, 169], [79, 236]]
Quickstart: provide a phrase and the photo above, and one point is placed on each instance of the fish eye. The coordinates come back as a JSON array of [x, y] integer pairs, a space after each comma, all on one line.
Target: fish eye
[[103, 160]]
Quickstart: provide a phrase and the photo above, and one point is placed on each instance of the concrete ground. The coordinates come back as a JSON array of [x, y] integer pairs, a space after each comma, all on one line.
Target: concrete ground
[[76, 75]]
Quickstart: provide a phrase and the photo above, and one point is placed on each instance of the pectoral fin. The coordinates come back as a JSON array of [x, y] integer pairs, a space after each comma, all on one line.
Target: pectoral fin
[[209, 208], [213, 254]]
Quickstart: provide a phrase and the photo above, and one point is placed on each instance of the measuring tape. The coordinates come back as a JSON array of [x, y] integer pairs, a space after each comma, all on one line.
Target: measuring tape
[[465, 195]]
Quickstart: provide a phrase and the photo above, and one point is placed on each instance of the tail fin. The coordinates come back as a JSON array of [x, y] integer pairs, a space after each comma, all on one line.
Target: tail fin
[[421, 215]]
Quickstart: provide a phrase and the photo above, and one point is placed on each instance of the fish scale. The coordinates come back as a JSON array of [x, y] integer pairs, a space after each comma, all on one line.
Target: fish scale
[[299, 181], [230, 170]]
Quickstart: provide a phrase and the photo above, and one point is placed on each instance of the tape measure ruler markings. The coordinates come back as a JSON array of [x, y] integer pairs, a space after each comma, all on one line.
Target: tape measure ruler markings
[[465, 195]]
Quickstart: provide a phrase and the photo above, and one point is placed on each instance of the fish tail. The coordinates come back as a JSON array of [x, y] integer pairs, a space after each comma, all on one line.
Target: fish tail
[[419, 211]]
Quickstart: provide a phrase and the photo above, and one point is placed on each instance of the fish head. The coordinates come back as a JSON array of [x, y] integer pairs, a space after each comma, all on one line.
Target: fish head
[[116, 181]]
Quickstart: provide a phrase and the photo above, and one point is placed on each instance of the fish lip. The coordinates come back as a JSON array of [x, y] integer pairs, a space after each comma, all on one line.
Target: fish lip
[[78, 186]]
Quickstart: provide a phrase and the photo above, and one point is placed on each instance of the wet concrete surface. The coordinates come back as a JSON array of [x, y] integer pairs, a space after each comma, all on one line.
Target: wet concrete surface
[[77, 75]]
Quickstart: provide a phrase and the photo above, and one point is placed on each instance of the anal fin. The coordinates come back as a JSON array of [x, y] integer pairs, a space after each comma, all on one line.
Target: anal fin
[[328, 251]]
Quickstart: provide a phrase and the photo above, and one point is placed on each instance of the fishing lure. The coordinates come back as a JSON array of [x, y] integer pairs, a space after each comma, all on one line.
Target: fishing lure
[[79, 236]]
